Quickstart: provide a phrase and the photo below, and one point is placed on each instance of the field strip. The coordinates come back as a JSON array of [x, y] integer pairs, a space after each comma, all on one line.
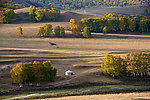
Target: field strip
[[79, 52]]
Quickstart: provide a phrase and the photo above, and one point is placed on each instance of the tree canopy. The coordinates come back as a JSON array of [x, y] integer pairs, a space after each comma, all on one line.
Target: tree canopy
[[78, 4]]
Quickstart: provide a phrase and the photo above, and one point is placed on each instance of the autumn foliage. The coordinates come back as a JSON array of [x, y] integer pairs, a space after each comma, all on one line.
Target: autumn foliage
[[113, 23], [7, 15], [40, 14], [35, 72], [134, 64]]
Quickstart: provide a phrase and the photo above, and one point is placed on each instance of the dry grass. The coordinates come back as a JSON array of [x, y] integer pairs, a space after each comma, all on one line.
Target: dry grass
[[121, 96], [83, 56]]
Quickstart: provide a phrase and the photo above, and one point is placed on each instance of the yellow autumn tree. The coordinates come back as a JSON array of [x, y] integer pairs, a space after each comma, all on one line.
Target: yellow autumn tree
[[19, 31], [75, 27], [17, 74]]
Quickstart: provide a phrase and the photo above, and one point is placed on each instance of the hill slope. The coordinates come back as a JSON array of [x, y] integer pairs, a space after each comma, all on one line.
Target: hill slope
[[28, 3]]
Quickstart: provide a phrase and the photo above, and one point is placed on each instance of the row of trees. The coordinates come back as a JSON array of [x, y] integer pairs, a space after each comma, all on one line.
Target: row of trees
[[40, 14], [47, 29], [134, 64], [7, 15], [35, 72], [78, 4], [113, 22]]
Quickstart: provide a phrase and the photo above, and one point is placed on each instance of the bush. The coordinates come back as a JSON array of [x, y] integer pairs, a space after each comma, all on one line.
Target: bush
[[86, 32], [35, 72]]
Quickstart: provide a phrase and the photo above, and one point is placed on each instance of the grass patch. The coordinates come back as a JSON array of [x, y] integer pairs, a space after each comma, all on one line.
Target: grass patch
[[77, 91]]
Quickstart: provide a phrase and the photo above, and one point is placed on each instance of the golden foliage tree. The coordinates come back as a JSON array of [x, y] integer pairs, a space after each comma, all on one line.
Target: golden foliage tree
[[75, 27], [35, 72], [19, 31]]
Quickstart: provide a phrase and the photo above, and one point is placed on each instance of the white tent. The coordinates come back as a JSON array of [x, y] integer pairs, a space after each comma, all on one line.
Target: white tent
[[68, 73]]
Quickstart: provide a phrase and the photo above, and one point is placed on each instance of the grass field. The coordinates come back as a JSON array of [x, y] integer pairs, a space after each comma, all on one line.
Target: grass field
[[83, 56]]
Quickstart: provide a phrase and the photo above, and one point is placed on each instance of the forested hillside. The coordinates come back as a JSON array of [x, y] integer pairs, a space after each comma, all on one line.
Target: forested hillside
[[77, 4]]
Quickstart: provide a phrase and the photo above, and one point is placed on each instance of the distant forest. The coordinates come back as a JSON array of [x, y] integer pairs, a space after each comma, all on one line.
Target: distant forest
[[78, 4]]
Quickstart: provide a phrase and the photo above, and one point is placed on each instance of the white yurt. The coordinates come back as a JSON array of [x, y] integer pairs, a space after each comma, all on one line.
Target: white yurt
[[68, 73]]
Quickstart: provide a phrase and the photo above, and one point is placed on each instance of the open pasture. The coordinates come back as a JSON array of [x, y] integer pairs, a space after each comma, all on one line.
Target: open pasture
[[83, 56]]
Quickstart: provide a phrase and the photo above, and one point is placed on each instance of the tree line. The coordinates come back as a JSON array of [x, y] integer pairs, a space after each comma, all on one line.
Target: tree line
[[36, 72], [40, 14], [134, 64], [10, 4], [78, 4], [113, 23]]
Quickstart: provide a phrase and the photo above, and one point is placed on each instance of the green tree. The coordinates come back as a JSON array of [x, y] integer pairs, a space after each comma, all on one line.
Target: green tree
[[57, 31], [62, 31], [86, 32], [19, 31], [144, 25], [37, 66], [29, 73], [114, 66]]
